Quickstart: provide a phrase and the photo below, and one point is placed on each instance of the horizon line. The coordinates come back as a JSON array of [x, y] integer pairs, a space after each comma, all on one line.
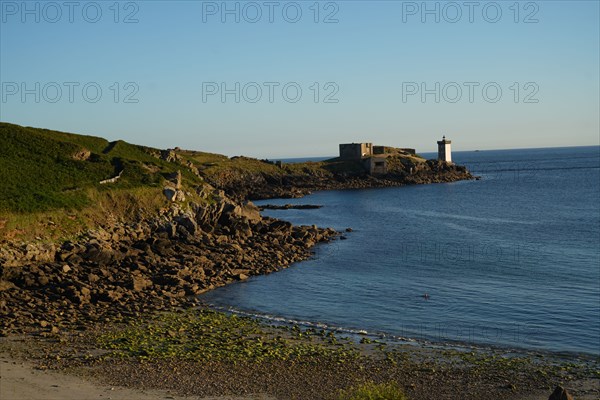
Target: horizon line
[[435, 151]]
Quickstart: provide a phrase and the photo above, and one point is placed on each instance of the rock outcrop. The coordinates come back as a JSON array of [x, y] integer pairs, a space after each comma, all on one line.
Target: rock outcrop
[[261, 185], [174, 194], [151, 264], [82, 154]]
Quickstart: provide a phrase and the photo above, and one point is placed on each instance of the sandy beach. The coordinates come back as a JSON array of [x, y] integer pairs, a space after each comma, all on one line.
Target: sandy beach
[[171, 356], [20, 380]]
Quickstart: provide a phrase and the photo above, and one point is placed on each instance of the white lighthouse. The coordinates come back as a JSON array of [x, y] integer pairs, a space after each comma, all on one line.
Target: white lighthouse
[[444, 150]]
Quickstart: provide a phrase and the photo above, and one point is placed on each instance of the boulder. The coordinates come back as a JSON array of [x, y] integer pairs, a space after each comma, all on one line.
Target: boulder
[[5, 285], [98, 254], [174, 195], [139, 283], [82, 154], [113, 295], [560, 393], [169, 193], [175, 179], [43, 280], [169, 155], [249, 211], [179, 196], [163, 247], [80, 296], [188, 223], [280, 226], [241, 274]]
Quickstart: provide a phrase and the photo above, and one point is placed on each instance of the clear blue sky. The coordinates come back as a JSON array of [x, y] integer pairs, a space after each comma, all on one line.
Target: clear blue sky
[[375, 56]]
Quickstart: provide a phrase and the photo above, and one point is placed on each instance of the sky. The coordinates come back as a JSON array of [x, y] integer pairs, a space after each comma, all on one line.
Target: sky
[[277, 79]]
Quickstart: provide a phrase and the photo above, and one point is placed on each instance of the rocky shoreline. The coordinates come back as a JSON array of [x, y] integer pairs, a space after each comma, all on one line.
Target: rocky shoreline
[[289, 207], [125, 269], [259, 186]]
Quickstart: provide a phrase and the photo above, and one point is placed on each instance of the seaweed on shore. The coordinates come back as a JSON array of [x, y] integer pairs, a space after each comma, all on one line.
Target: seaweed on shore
[[205, 335]]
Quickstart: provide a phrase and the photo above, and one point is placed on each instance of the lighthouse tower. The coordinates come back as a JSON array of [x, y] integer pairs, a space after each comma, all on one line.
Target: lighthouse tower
[[444, 150]]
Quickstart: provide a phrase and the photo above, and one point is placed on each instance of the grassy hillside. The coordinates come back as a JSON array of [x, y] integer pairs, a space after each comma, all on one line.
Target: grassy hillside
[[211, 165], [51, 180], [43, 170]]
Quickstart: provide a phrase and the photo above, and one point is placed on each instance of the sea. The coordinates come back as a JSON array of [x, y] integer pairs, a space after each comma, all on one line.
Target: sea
[[508, 261]]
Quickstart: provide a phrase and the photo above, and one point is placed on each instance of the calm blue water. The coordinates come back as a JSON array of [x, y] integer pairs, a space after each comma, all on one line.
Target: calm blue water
[[512, 260], [305, 159]]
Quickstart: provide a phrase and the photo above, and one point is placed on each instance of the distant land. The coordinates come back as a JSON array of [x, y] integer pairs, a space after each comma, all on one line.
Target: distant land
[[47, 170]]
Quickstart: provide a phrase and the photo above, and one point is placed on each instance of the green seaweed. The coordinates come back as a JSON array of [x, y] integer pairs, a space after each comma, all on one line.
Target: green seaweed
[[205, 335]]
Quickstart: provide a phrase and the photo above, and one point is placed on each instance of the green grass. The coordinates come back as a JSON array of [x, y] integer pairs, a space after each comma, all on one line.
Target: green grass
[[40, 173], [50, 192], [210, 163], [373, 391], [215, 164]]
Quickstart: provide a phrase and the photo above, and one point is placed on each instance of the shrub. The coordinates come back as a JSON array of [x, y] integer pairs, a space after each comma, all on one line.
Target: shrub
[[373, 391]]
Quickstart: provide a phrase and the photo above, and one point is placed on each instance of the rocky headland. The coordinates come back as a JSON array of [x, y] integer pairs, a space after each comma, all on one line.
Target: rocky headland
[[298, 180]]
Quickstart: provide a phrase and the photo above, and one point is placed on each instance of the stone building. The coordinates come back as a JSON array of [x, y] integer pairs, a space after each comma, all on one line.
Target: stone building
[[355, 151], [376, 165], [373, 158], [392, 150]]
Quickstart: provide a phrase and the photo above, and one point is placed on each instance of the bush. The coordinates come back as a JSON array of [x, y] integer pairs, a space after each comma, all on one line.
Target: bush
[[373, 391]]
